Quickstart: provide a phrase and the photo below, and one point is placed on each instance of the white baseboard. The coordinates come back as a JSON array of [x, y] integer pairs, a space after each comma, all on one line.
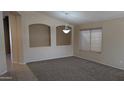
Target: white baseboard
[[15, 62], [46, 59], [101, 63]]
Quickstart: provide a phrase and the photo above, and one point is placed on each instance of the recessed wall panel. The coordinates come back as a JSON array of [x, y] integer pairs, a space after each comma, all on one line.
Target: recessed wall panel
[[39, 35], [61, 37]]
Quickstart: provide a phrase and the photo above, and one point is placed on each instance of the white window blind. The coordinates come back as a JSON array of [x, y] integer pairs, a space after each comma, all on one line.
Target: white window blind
[[85, 40], [91, 40], [96, 40]]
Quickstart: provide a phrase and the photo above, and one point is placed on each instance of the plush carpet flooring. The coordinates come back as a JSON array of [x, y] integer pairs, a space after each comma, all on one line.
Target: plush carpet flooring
[[74, 69]]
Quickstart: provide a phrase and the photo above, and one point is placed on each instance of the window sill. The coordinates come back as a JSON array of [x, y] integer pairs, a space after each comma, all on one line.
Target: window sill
[[89, 51]]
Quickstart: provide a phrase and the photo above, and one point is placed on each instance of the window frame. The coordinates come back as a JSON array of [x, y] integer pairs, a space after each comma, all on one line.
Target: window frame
[[90, 30]]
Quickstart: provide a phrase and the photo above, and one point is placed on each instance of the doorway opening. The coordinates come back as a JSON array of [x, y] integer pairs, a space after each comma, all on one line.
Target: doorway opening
[[7, 38]]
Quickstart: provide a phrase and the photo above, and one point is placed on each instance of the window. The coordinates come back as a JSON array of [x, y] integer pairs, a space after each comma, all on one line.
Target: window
[[39, 35], [61, 37], [91, 40], [85, 40], [96, 40]]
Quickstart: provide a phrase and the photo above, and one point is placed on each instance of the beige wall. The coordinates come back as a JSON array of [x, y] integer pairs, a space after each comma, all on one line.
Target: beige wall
[[47, 52], [3, 66], [112, 45]]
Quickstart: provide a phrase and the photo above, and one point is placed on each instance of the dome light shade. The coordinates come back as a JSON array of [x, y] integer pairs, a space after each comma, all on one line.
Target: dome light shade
[[66, 31]]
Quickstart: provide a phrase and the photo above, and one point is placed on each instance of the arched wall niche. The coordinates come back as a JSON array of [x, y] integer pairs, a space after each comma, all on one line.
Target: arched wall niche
[[61, 37], [39, 35]]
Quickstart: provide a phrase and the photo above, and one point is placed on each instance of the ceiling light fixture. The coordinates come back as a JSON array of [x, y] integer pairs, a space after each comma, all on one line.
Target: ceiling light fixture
[[66, 30]]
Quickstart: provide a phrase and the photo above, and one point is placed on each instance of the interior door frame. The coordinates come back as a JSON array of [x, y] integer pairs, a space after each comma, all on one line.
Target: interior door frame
[[15, 37]]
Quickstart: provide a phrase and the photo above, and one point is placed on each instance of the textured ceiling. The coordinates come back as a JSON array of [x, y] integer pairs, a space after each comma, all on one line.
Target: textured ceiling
[[80, 17]]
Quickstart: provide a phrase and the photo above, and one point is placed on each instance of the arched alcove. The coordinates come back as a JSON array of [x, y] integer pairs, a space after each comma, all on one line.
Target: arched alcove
[[39, 35], [61, 37]]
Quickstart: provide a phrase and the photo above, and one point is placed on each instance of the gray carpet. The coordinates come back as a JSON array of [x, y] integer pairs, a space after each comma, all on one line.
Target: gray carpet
[[74, 69]]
